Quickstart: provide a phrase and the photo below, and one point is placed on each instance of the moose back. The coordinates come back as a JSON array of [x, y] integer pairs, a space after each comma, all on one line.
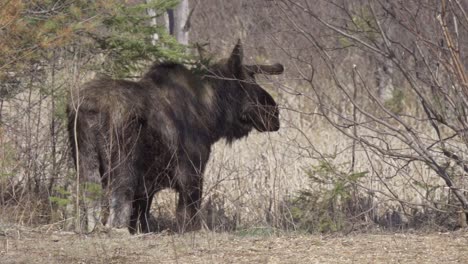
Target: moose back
[[133, 139]]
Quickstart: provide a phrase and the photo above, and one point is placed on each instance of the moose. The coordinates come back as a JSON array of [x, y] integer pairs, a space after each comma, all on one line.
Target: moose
[[135, 138]]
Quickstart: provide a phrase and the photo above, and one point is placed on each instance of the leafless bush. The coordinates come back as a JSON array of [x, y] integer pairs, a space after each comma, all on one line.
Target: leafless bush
[[35, 176], [390, 77]]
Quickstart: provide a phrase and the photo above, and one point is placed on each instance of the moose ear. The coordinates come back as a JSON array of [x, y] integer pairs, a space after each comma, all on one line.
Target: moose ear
[[235, 60]]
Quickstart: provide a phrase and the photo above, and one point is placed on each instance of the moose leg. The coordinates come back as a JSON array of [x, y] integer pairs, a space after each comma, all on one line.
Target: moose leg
[[90, 179], [120, 209], [86, 157], [188, 208], [133, 225], [123, 177], [190, 193], [145, 216], [121, 191], [140, 219], [92, 200]]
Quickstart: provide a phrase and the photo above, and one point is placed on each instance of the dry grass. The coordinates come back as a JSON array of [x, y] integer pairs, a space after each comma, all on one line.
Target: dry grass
[[208, 247]]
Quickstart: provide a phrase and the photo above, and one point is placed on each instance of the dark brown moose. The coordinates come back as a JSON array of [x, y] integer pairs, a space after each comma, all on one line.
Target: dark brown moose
[[133, 139]]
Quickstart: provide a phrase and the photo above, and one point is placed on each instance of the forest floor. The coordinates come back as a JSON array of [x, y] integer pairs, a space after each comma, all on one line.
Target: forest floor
[[21, 246]]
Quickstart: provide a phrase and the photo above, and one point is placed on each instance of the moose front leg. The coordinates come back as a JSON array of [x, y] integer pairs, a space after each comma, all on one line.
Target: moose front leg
[[141, 217], [188, 209], [190, 194]]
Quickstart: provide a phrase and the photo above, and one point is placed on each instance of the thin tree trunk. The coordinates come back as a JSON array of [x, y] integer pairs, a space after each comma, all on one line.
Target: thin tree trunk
[[53, 132], [152, 13], [181, 15]]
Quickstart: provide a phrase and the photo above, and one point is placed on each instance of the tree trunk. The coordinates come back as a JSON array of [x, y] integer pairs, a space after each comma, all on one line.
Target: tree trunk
[[181, 15], [152, 13]]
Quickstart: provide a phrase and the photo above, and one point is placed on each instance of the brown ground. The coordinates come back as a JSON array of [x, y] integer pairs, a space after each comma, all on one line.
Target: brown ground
[[208, 247]]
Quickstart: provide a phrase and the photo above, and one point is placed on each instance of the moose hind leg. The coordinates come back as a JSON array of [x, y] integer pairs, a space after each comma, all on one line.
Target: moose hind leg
[[121, 190], [92, 205], [121, 183], [120, 209], [86, 157]]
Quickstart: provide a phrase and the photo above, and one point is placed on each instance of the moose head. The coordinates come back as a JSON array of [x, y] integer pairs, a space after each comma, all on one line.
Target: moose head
[[257, 108]]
